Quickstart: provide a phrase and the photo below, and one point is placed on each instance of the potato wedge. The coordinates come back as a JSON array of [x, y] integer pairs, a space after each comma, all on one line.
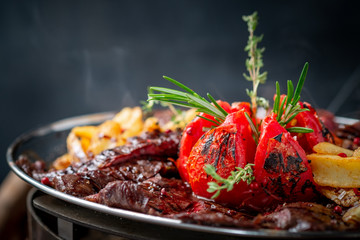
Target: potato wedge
[[84, 131], [352, 215], [75, 150], [105, 137], [328, 148], [357, 153], [130, 120], [151, 124], [181, 120], [62, 162], [335, 171]]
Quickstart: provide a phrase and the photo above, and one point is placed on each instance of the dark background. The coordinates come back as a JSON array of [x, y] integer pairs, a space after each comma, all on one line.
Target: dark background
[[65, 58]]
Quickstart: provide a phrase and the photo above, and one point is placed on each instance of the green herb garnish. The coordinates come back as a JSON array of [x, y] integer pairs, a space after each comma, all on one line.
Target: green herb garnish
[[287, 108], [254, 63], [189, 99], [241, 174]]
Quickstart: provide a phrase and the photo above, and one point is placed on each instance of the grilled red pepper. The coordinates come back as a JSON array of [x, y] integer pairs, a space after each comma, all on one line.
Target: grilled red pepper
[[281, 166], [194, 130], [191, 134], [310, 119], [225, 147]]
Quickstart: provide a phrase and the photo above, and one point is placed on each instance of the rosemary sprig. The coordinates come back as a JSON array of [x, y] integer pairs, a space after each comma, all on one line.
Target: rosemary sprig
[[241, 174], [287, 108], [147, 106], [254, 128], [189, 99], [254, 62]]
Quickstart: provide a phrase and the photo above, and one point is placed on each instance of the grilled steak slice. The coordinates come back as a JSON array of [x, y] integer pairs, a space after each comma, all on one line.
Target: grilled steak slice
[[141, 158], [216, 219], [86, 183], [150, 145], [154, 145], [136, 171], [302, 216], [73, 184], [156, 196], [83, 183], [348, 134], [211, 213], [168, 198]]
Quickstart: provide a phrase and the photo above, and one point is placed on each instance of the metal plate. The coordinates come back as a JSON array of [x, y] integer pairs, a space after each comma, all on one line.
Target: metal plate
[[49, 142]]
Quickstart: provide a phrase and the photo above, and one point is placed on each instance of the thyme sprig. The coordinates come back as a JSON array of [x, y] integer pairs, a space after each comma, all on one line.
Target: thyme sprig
[[254, 62], [288, 107], [189, 99], [241, 174]]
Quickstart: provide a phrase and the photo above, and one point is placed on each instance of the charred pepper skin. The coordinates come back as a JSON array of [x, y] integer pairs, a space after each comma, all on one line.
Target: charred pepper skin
[[228, 146], [192, 133], [281, 166]]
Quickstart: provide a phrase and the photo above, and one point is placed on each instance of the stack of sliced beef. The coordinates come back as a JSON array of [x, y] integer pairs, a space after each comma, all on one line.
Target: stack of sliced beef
[[141, 176]]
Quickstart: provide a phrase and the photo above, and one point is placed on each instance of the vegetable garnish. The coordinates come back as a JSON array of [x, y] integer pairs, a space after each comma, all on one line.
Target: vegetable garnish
[[242, 174], [254, 63], [188, 99], [287, 108]]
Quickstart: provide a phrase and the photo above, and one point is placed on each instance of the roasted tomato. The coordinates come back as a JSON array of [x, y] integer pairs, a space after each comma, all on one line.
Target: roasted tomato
[[281, 166], [225, 147], [310, 119]]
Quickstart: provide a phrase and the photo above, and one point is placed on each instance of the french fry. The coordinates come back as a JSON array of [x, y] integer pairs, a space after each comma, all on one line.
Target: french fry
[[331, 149], [335, 171]]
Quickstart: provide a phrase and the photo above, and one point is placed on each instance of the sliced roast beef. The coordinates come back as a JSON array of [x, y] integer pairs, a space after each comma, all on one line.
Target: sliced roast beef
[[155, 196], [141, 158], [302, 216], [153, 145]]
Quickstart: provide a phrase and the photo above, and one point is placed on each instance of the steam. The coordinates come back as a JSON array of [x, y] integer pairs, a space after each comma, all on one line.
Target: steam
[[105, 82]]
